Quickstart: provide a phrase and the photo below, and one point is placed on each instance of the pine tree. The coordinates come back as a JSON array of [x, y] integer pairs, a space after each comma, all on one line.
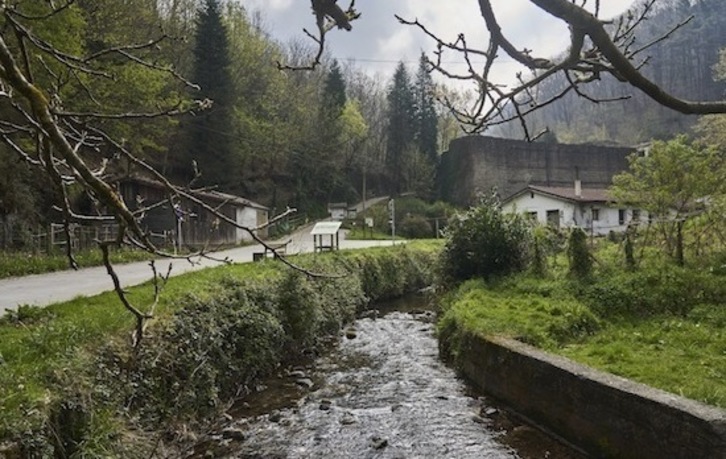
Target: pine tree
[[426, 118], [334, 97], [209, 132], [400, 126]]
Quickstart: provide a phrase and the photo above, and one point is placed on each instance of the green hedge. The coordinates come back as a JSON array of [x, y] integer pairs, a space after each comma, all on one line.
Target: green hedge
[[215, 342]]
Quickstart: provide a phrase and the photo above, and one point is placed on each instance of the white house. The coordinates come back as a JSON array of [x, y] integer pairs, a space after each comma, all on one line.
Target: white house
[[565, 207], [339, 211]]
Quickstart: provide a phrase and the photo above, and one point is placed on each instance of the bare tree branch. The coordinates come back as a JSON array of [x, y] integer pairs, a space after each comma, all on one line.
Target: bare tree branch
[[596, 48], [328, 16]]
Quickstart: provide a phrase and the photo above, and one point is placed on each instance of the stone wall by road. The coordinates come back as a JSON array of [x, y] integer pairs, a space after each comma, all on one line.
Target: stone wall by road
[[476, 164], [606, 415]]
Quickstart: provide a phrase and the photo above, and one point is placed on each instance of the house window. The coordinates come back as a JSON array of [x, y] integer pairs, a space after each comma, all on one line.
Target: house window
[[621, 216], [595, 215], [553, 218], [636, 215], [532, 216]]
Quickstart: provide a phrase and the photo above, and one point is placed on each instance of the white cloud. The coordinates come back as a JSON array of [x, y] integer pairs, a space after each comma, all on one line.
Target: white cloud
[[379, 42], [398, 45], [268, 6]]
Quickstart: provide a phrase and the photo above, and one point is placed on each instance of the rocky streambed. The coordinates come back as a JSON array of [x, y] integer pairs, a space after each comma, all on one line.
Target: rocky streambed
[[381, 392]]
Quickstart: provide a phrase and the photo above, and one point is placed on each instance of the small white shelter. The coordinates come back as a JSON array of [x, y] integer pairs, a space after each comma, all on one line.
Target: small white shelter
[[589, 209], [326, 236]]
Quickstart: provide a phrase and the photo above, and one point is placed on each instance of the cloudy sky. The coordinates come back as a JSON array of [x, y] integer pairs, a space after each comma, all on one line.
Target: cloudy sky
[[377, 41]]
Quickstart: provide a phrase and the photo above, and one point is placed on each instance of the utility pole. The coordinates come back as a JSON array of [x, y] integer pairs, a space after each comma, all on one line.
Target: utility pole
[[392, 220], [364, 186]]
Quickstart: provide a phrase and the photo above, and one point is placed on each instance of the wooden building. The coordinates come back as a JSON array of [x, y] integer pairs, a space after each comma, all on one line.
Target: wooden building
[[187, 222]]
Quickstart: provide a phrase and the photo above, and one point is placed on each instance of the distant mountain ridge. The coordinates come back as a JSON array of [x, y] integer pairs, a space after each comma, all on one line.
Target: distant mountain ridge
[[682, 65]]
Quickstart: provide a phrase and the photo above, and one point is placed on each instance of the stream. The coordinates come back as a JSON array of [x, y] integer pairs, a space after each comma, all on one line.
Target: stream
[[381, 392]]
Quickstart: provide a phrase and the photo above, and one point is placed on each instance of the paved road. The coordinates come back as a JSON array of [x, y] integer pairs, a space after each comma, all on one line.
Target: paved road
[[370, 203], [44, 289]]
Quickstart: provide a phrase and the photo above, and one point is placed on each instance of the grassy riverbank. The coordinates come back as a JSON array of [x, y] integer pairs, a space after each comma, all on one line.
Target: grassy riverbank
[[70, 381], [14, 264], [661, 325]]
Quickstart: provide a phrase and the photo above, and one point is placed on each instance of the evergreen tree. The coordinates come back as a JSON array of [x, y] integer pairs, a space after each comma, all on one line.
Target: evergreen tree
[[334, 97], [209, 132], [400, 126], [426, 118]]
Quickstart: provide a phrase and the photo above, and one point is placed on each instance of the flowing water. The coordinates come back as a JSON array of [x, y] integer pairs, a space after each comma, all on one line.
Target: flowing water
[[382, 392]]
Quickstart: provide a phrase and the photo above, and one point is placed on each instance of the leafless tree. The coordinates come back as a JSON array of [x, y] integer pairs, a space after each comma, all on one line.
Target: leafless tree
[[74, 149], [328, 15], [596, 47]]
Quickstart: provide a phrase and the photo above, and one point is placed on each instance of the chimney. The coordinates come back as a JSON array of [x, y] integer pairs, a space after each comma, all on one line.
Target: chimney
[[578, 183]]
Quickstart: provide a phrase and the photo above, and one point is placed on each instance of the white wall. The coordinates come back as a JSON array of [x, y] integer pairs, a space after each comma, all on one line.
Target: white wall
[[609, 219], [573, 214], [338, 213], [246, 216], [534, 202]]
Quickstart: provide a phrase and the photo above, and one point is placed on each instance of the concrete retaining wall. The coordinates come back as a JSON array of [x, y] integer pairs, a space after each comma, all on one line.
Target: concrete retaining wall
[[478, 163], [606, 415]]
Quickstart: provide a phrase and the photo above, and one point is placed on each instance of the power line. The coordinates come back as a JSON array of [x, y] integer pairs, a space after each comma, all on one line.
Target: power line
[[394, 61]]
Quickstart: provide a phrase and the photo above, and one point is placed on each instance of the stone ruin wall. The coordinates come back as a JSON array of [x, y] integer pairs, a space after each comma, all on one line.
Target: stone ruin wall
[[475, 164]]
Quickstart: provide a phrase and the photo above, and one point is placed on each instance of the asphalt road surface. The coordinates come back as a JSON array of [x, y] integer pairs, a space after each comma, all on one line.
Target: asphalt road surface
[[45, 289]]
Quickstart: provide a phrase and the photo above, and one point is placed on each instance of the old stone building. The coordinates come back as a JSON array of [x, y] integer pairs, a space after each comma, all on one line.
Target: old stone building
[[475, 164]]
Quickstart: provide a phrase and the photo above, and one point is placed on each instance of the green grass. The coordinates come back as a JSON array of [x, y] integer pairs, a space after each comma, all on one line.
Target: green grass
[[14, 264], [39, 344], [367, 234], [681, 350], [542, 321], [45, 352], [686, 356]]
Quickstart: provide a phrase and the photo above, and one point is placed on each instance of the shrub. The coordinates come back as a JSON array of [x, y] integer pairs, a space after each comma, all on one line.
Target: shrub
[[665, 289], [211, 348], [203, 350], [413, 217], [485, 242], [578, 254], [415, 227]]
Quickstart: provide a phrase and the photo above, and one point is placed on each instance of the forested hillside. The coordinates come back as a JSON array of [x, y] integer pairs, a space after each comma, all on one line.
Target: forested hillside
[[282, 138], [682, 64]]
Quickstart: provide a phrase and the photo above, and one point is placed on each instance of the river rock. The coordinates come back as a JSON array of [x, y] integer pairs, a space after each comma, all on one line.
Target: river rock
[[348, 419], [305, 382], [478, 419], [325, 404], [378, 442], [429, 289], [489, 411], [234, 433], [351, 333], [370, 314], [297, 374], [275, 416]]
